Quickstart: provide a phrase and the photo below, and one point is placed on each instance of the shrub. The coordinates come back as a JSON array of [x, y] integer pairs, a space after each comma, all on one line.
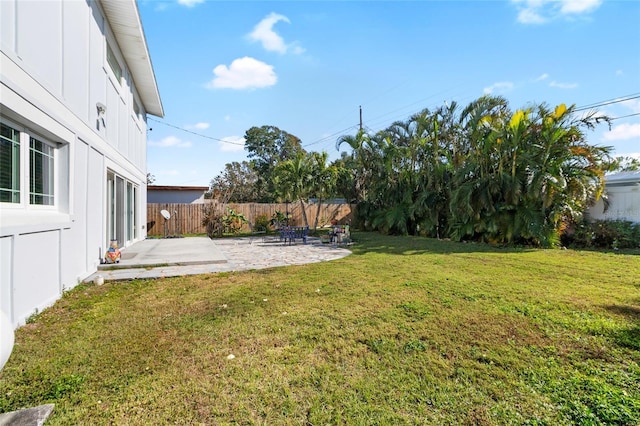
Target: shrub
[[279, 219], [213, 220], [616, 234], [261, 223], [233, 221]]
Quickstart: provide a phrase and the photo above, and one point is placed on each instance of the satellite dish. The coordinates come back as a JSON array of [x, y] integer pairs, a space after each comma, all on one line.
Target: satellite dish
[[165, 214]]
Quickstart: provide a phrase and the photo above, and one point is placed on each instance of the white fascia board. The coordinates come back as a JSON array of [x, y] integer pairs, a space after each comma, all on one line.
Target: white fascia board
[[124, 20]]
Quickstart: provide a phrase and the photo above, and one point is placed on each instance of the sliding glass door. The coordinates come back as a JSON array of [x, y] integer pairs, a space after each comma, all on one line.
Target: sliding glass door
[[122, 210]]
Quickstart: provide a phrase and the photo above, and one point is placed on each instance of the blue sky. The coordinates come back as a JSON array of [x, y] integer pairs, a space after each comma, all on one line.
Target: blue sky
[[223, 67]]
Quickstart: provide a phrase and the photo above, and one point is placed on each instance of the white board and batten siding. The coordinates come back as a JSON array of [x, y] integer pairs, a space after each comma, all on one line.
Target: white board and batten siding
[[623, 193], [51, 87]]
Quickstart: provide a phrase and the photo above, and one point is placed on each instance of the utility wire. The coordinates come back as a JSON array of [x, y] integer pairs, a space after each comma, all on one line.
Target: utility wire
[[195, 133], [609, 102], [339, 132], [326, 138], [625, 116]]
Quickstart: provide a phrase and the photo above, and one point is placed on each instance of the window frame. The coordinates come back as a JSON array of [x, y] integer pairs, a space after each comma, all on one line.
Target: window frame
[[15, 175], [112, 60], [50, 169], [25, 172], [122, 197]]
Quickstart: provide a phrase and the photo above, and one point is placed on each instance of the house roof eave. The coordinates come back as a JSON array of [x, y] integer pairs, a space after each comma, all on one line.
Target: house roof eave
[[124, 19], [176, 188], [623, 177]]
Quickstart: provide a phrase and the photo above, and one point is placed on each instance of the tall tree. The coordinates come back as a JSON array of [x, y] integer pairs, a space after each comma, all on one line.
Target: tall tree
[[266, 147], [293, 180], [482, 173], [345, 184], [323, 180], [624, 164], [360, 147], [236, 183]]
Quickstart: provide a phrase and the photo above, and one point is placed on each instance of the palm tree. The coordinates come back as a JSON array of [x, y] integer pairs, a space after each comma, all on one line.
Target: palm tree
[[323, 180], [361, 146], [566, 174], [486, 173], [294, 180]]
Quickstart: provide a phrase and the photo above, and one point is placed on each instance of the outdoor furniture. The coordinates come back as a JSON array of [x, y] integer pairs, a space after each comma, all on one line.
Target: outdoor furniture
[[340, 234], [289, 234], [257, 233]]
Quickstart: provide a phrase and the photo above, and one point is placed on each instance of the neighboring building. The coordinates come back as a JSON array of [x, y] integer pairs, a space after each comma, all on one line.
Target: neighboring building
[[76, 87], [176, 194], [623, 192]]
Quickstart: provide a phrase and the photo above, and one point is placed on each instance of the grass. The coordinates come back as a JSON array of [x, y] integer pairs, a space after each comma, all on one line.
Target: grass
[[404, 331]]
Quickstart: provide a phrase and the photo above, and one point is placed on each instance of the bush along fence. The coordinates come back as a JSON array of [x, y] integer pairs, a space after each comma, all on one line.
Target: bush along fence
[[190, 218]]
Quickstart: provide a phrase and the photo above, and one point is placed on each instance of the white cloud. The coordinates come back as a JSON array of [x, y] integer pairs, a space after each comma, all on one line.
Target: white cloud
[[563, 85], [263, 32], [542, 11], [227, 117], [296, 49], [500, 87], [199, 126], [619, 72], [632, 104], [623, 132], [170, 141], [232, 144], [530, 16], [190, 3], [578, 6], [243, 73], [543, 77]]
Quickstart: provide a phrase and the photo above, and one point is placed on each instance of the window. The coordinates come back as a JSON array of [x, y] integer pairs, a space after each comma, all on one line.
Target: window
[[29, 170], [113, 63], [9, 165], [41, 173]]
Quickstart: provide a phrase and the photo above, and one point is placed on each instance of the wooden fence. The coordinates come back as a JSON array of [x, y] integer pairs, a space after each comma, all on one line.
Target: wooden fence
[[187, 218]]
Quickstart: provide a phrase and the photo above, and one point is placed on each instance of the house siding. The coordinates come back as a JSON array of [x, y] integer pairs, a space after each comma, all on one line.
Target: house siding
[[50, 86], [624, 204], [623, 193], [177, 196]]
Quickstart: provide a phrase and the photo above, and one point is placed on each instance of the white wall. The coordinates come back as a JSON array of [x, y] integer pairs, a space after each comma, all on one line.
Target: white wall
[[53, 72], [36, 272], [624, 204], [177, 196]]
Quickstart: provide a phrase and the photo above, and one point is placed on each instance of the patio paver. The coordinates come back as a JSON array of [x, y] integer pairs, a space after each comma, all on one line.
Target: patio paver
[[160, 258]]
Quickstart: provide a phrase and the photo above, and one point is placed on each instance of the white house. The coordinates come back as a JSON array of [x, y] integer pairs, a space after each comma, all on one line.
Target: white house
[[76, 86], [176, 194], [623, 192]]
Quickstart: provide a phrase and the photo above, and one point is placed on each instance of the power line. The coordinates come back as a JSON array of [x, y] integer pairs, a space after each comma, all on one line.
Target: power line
[[609, 102], [625, 116], [325, 138], [355, 126], [195, 133]]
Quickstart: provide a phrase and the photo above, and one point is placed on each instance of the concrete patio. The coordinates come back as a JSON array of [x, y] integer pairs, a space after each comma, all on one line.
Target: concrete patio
[[159, 258]]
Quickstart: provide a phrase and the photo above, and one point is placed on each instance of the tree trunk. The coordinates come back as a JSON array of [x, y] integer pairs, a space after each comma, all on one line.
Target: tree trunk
[[304, 213], [315, 225]]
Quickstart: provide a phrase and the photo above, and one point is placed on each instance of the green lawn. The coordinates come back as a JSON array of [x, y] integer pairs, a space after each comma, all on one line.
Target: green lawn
[[404, 331]]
